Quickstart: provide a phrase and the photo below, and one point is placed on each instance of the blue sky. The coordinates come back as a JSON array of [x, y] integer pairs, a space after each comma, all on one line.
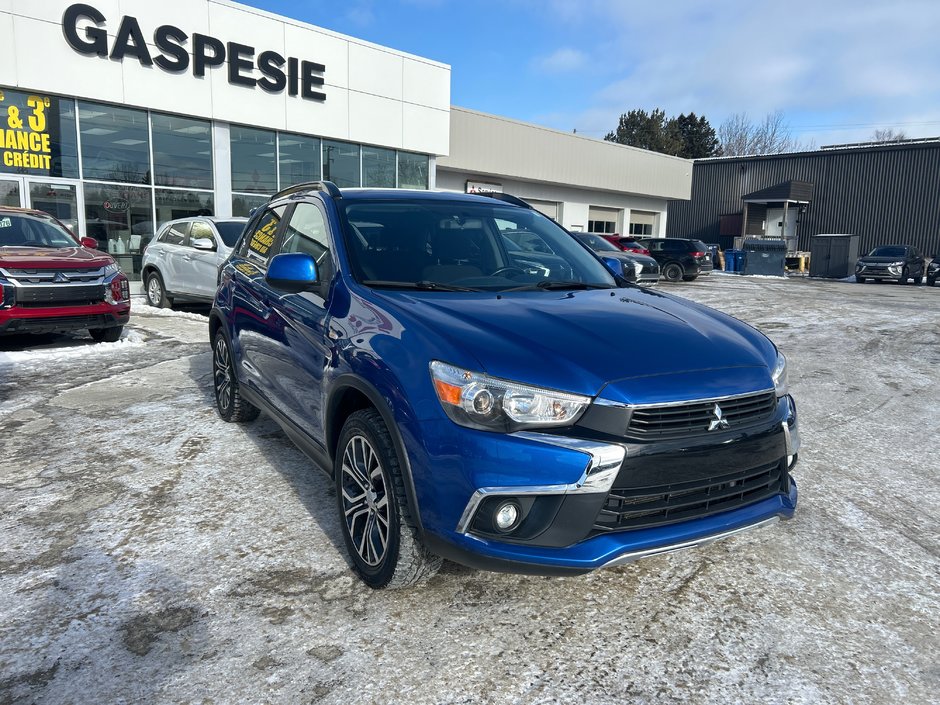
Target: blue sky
[[838, 69]]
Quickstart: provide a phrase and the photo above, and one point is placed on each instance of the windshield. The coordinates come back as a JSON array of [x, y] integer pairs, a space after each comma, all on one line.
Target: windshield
[[596, 242], [230, 230], [23, 230], [887, 252], [441, 245]]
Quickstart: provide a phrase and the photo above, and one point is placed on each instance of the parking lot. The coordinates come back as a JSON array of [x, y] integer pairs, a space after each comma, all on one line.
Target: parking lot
[[152, 553]]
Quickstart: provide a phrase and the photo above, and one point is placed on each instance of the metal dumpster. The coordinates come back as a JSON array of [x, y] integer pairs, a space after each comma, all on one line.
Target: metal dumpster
[[765, 257]]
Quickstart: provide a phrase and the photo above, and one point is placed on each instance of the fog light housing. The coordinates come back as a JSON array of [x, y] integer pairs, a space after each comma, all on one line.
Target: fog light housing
[[507, 516]]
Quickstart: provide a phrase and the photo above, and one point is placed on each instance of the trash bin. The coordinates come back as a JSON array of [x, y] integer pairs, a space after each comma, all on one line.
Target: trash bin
[[766, 257], [713, 253], [733, 260]]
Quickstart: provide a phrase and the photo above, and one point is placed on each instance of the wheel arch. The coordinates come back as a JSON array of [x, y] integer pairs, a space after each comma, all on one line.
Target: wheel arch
[[349, 394]]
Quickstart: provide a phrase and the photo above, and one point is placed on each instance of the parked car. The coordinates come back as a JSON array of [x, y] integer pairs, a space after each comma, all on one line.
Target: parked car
[[469, 409], [637, 268], [680, 258], [897, 262], [933, 270], [53, 282], [627, 243], [183, 260]]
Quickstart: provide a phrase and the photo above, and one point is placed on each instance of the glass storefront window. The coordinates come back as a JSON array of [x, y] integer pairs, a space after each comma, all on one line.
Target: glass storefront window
[[37, 134], [412, 170], [115, 143], [254, 164], [300, 159], [378, 167], [242, 204], [173, 204], [120, 218], [182, 151], [341, 163]]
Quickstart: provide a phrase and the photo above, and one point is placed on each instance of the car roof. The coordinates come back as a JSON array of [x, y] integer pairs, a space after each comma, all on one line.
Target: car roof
[[399, 194]]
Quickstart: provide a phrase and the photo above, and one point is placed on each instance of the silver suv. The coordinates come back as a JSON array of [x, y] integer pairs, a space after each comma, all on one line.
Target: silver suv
[[183, 259]]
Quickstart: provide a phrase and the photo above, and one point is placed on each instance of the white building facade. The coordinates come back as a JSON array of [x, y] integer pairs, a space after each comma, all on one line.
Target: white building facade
[[117, 115]]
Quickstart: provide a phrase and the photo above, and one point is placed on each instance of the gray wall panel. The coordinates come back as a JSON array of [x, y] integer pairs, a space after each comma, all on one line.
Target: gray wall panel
[[884, 194]]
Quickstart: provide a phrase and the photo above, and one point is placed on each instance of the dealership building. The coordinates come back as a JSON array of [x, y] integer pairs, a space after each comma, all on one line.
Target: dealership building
[[117, 116]]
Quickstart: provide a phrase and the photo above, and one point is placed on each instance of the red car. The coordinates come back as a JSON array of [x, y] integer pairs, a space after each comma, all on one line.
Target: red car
[[625, 243], [51, 282]]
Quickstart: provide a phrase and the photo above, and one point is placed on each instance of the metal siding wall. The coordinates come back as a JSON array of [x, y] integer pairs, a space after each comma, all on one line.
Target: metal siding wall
[[884, 195]]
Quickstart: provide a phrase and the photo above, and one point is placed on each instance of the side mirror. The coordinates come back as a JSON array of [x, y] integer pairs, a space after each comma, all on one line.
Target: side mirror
[[614, 265], [204, 243], [89, 242], [293, 272]]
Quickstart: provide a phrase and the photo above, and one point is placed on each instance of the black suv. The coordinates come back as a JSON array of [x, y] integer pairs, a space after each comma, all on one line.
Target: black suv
[[679, 258], [894, 262]]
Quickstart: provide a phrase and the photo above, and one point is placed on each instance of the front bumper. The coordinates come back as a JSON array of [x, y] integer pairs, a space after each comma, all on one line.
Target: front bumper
[[18, 320], [564, 535], [868, 272]]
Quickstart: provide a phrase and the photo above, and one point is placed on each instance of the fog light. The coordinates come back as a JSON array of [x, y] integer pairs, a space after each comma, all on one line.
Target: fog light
[[507, 516]]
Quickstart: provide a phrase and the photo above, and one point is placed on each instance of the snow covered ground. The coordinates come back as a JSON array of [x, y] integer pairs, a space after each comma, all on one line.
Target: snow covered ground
[[152, 554]]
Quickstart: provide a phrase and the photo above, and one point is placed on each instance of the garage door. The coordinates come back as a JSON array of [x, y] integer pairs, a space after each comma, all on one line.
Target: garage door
[[545, 207], [603, 220]]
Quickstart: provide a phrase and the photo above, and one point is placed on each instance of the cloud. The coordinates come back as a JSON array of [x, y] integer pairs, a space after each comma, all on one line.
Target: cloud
[[560, 61], [840, 60]]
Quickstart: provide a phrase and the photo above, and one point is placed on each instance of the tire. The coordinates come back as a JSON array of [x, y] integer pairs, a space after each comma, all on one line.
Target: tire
[[688, 278], [156, 291], [106, 335], [229, 402], [904, 275], [860, 280], [673, 272], [919, 279], [931, 282], [380, 535]]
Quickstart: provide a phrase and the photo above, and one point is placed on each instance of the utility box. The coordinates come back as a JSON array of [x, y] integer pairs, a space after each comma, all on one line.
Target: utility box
[[767, 257], [833, 256]]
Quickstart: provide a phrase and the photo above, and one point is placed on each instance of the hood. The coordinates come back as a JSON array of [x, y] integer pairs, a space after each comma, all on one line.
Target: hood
[[632, 257], [634, 346], [53, 257]]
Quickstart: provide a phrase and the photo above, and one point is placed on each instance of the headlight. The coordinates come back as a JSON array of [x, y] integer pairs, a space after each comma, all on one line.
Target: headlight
[[111, 269], [638, 268], [780, 375], [483, 402]]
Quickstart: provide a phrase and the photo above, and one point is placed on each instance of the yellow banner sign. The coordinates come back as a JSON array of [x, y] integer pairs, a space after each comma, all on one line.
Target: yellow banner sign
[[24, 139]]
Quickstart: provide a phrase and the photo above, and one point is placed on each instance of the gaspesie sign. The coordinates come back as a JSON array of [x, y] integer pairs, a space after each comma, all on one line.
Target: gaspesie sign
[[85, 29]]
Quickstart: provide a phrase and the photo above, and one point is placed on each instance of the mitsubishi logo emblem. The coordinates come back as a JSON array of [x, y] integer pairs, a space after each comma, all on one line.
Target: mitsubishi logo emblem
[[719, 422], [60, 278]]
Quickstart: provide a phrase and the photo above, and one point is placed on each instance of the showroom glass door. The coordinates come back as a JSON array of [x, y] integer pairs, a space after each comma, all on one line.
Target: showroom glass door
[[57, 198], [11, 191]]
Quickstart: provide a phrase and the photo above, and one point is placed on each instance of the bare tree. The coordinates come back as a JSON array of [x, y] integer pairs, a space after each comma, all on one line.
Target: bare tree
[[739, 136], [888, 134]]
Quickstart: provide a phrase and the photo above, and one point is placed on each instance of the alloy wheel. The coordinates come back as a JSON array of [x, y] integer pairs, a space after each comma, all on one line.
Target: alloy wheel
[[222, 374], [154, 291], [365, 501]]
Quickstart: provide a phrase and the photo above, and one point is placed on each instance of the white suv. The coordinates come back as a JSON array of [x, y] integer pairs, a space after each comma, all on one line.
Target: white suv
[[183, 259]]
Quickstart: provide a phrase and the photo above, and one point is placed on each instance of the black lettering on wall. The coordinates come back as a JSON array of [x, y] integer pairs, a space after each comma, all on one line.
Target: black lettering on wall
[[201, 59], [270, 63], [96, 42], [292, 76], [130, 42], [240, 58], [309, 80], [169, 40]]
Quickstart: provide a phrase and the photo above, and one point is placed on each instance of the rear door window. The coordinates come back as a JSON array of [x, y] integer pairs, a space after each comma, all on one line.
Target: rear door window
[[175, 234]]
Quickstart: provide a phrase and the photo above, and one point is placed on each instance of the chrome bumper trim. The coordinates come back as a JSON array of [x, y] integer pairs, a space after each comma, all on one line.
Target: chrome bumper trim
[[604, 461], [671, 548]]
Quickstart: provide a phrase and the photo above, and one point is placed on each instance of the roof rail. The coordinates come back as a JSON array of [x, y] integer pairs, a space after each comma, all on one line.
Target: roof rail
[[327, 186], [508, 198]]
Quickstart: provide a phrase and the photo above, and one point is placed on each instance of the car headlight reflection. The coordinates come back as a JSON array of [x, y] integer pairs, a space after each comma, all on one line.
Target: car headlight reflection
[[779, 375], [479, 401]]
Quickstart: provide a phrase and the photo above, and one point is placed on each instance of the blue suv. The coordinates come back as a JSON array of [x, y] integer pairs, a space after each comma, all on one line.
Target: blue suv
[[519, 411]]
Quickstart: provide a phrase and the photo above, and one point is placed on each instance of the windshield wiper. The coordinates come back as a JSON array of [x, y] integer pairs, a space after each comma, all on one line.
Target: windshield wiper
[[548, 285], [422, 285]]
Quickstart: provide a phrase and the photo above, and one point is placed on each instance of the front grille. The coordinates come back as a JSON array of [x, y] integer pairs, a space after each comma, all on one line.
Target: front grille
[[59, 294], [695, 418], [45, 276], [53, 324], [641, 507]]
